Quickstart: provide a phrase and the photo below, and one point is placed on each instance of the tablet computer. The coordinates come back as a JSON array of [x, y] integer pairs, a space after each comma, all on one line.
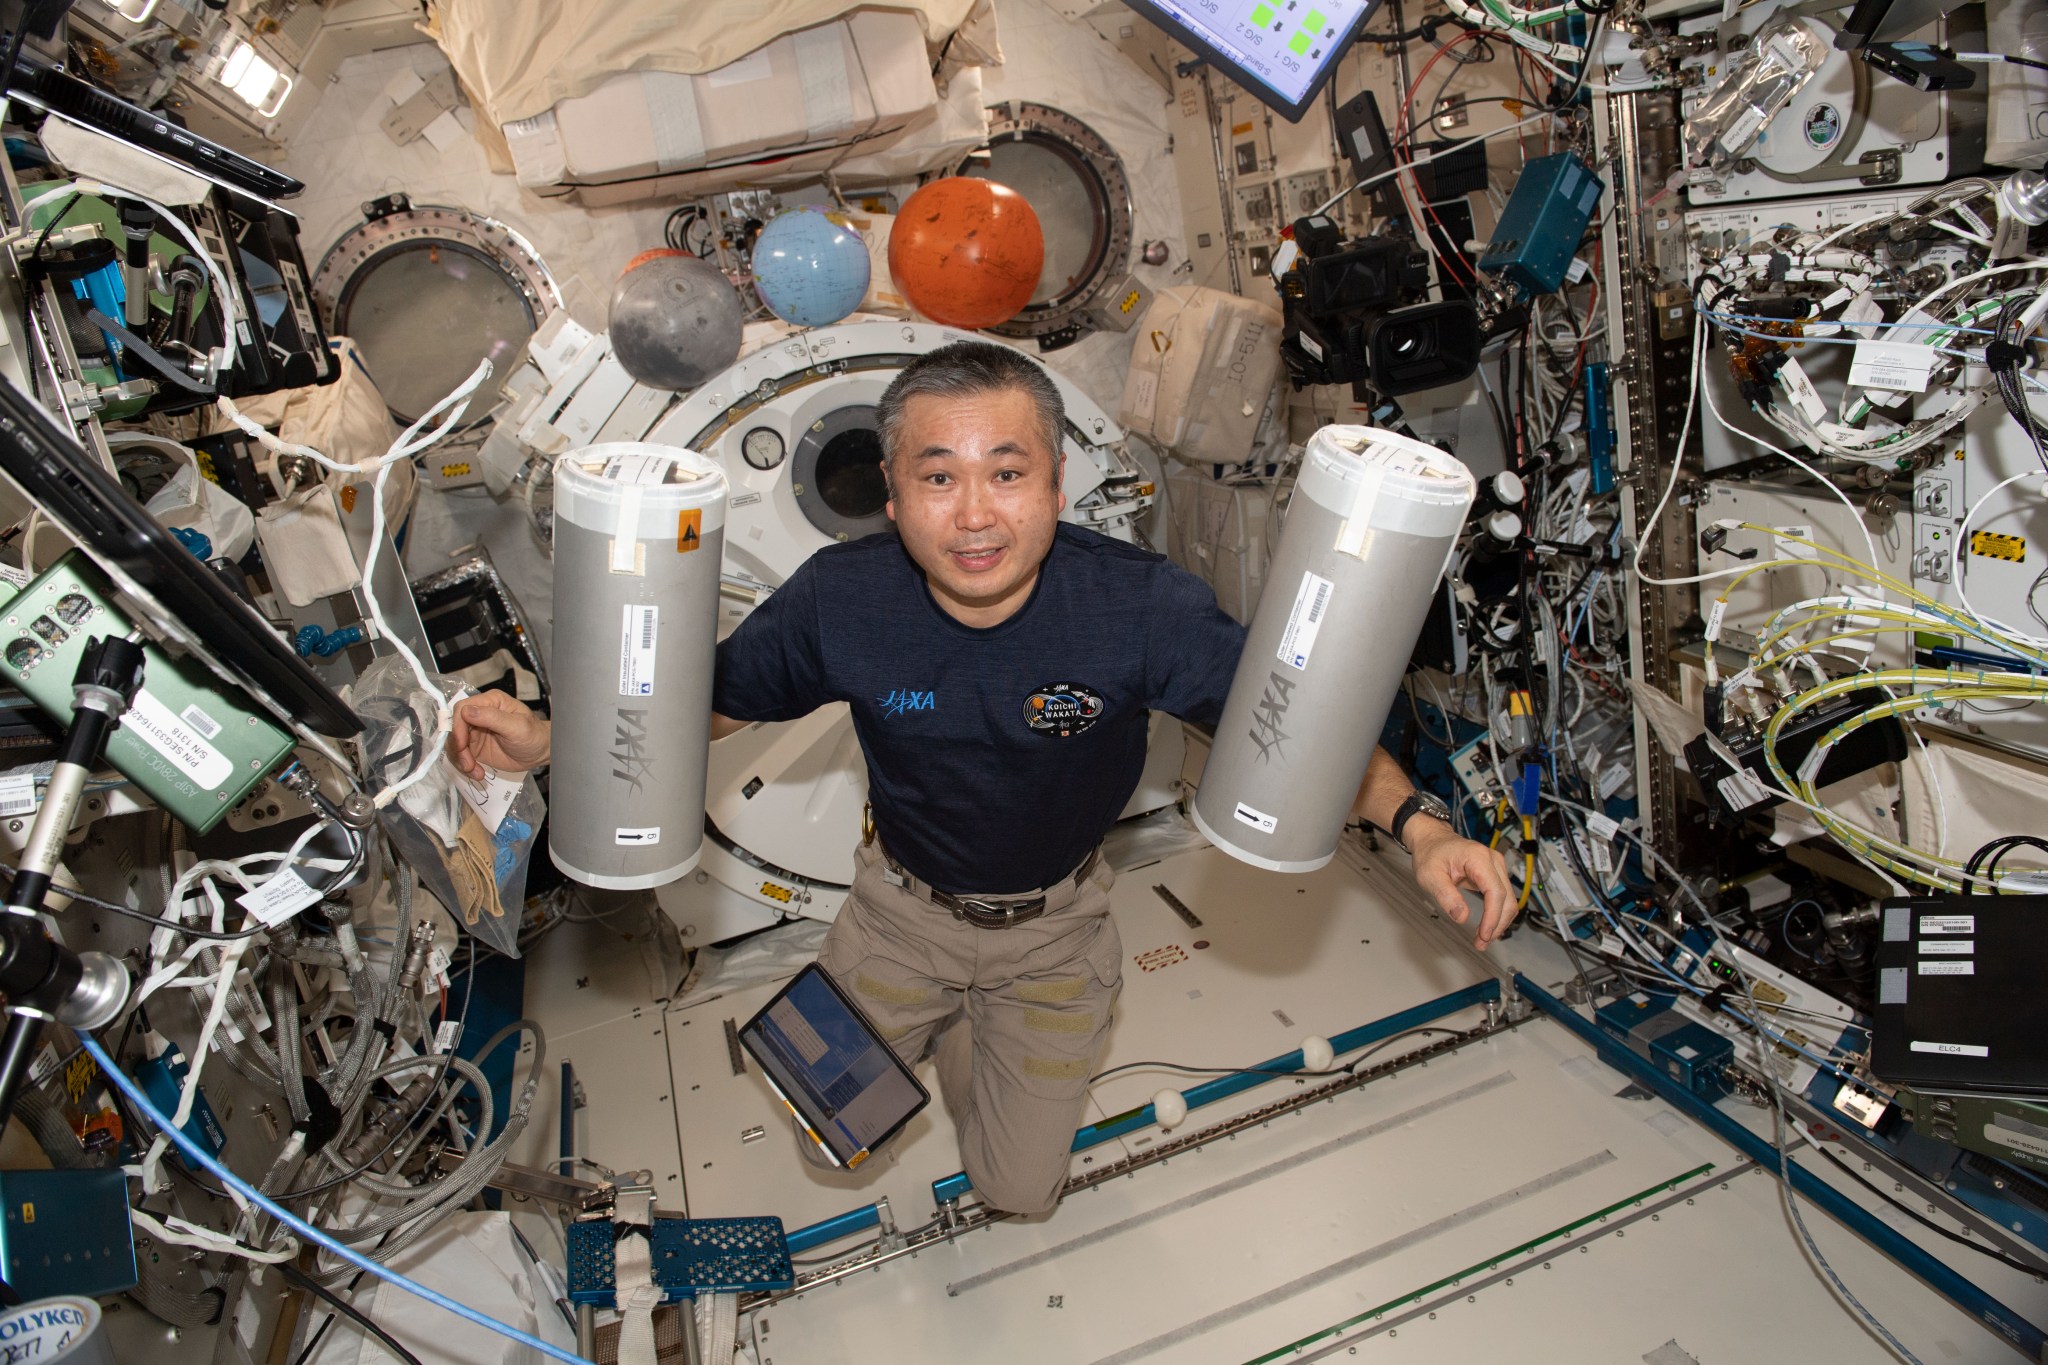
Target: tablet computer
[[830, 1066]]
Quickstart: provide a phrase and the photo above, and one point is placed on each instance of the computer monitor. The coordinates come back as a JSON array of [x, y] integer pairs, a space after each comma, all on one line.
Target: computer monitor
[[1282, 51]]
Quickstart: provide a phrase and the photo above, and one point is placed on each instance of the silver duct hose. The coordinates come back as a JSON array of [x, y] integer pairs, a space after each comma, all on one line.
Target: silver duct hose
[[424, 1213]]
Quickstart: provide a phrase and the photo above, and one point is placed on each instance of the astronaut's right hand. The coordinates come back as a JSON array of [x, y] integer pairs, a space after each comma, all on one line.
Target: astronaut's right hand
[[498, 730]]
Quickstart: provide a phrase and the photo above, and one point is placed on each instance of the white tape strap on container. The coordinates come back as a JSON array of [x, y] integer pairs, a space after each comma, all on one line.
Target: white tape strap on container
[[626, 536], [821, 71], [672, 114], [1356, 529]]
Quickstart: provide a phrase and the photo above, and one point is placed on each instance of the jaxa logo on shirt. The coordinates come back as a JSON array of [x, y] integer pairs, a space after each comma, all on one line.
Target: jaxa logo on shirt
[[901, 700], [1062, 709]]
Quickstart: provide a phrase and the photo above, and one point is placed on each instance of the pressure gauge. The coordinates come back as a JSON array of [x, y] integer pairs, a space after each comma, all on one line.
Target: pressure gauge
[[762, 448]]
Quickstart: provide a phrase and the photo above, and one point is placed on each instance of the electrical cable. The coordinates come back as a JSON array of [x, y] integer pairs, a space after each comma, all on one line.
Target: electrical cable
[[306, 1231], [348, 1310], [211, 936], [1993, 1252], [1347, 1069]]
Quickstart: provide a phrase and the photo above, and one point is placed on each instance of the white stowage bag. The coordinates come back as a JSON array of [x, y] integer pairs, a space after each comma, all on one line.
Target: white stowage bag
[[473, 1257], [1203, 365]]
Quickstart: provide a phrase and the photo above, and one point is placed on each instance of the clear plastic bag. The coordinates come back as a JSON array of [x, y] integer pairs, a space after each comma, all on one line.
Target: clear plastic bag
[[469, 842], [1761, 81]]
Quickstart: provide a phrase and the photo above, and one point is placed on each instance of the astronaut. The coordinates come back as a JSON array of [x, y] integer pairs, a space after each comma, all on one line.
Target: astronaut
[[1001, 667]]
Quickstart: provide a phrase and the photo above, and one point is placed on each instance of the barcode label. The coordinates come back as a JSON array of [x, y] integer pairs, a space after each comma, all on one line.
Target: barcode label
[[1311, 605], [17, 793], [199, 720], [636, 649]]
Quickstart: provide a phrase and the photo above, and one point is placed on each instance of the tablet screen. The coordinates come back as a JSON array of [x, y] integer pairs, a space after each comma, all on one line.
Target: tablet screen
[[832, 1067]]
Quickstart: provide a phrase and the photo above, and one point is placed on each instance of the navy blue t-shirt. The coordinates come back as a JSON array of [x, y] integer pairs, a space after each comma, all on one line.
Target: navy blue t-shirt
[[998, 757]]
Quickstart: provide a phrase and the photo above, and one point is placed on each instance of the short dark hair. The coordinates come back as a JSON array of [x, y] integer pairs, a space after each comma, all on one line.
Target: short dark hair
[[962, 370]]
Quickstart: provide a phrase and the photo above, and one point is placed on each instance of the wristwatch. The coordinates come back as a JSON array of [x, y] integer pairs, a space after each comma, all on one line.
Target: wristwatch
[[1418, 803]]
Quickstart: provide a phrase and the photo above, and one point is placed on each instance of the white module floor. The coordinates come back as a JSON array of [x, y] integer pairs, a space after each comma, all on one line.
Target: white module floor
[[1507, 1198]]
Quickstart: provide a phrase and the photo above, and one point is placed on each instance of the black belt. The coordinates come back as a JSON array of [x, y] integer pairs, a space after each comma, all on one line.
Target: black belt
[[988, 912]]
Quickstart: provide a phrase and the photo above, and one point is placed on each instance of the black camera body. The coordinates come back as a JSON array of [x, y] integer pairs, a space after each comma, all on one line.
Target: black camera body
[[1355, 313]]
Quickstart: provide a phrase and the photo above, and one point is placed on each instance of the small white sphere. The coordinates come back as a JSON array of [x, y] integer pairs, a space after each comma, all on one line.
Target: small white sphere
[[1317, 1054], [1170, 1107]]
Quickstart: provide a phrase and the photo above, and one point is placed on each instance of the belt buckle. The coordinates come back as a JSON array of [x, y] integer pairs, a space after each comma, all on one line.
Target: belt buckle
[[1005, 913]]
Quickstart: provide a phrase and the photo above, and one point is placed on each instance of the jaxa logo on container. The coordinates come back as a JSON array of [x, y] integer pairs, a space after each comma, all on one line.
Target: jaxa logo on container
[[901, 700], [1062, 709]]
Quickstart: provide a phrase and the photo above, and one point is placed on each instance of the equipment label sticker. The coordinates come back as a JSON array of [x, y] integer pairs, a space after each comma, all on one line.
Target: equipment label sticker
[[153, 723], [637, 635], [637, 837], [637, 468], [1949, 947], [2019, 1142], [1311, 605], [279, 898], [206, 725], [17, 793], [1257, 819], [1948, 924], [1952, 1049], [1948, 969]]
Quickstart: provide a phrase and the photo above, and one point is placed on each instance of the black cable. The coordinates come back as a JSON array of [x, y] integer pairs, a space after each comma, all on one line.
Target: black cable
[[348, 1310], [143, 915], [1993, 1252], [1426, 31], [1345, 1070]]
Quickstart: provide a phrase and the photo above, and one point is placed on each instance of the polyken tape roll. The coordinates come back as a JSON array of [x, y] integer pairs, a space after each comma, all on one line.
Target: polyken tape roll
[[639, 534], [1367, 539]]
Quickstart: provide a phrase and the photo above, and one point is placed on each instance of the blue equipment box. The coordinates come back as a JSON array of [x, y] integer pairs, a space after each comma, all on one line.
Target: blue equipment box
[[1539, 230], [691, 1256], [163, 1080], [66, 1232], [1690, 1053]]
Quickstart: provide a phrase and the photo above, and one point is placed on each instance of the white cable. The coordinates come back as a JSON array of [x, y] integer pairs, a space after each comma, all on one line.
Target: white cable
[[179, 1232], [410, 442]]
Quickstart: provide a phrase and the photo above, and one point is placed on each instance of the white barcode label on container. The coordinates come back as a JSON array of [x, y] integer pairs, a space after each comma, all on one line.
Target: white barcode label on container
[[199, 720], [17, 793], [1311, 605], [1948, 924], [641, 628]]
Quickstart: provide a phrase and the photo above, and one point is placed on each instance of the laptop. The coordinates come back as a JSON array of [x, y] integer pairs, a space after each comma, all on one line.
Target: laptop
[[846, 1087], [38, 83], [1959, 1004]]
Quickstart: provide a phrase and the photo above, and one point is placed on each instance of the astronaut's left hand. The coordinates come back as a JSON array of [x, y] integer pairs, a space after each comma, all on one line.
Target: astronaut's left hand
[[1445, 861]]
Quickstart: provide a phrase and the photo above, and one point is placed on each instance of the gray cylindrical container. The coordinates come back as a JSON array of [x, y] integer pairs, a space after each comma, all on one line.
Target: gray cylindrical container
[[66, 1328], [1368, 536], [639, 533]]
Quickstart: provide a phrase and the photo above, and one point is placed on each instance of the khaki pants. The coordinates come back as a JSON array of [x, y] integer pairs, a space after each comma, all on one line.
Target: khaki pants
[[1032, 1004]]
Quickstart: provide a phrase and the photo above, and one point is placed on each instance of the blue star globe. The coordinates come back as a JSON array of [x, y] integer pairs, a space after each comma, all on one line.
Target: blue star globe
[[810, 267]]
